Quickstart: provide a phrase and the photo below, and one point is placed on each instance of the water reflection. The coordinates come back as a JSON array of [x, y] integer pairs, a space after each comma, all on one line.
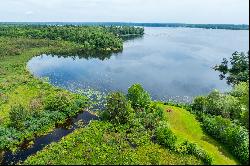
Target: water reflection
[[170, 63], [101, 55], [131, 37]]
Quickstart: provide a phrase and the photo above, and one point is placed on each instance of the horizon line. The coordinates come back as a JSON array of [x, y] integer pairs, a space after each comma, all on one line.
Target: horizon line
[[121, 22]]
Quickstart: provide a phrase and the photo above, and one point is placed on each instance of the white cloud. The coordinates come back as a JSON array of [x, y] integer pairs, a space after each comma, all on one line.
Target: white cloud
[[188, 11]]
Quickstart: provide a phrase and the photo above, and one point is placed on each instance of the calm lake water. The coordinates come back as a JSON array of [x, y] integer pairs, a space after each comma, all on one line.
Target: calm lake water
[[170, 63]]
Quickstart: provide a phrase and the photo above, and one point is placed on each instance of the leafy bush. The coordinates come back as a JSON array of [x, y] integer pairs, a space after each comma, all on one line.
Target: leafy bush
[[8, 137], [216, 103], [138, 96], [152, 116], [58, 102], [199, 104], [65, 103], [241, 92], [230, 134], [191, 148], [18, 115], [118, 109], [165, 136]]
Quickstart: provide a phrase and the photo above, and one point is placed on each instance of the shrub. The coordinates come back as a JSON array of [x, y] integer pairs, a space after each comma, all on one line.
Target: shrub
[[18, 115], [65, 103], [8, 137], [165, 136], [215, 103], [138, 96], [58, 102], [152, 116], [199, 104], [234, 136], [241, 92], [193, 149], [118, 109]]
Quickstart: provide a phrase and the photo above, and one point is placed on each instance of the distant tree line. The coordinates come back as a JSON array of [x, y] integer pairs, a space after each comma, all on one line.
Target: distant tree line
[[205, 26], [91, 37]]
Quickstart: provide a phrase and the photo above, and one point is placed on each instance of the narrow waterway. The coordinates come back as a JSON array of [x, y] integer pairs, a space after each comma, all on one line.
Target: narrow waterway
[[39, 143]]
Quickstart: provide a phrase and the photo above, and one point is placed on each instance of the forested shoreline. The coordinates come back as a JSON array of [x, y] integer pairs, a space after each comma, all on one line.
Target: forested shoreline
[[173, 25]]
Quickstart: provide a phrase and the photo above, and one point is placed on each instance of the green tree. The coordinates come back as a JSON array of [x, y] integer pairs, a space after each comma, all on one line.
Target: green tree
[[238, 69], [118, 108], [138, 96]]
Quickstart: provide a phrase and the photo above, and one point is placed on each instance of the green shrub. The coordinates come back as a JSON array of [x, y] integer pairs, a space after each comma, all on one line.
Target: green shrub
[[138, 96], [216, 103], [165, 136], [118, 109], [8, 137], [58, 102], [234, 136], [152, 116], [65, 103], [193, 149], [199, 104], [241, 92], [18, 115]]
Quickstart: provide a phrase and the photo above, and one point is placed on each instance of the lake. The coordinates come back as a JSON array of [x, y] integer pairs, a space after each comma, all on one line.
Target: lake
[[171, 63]]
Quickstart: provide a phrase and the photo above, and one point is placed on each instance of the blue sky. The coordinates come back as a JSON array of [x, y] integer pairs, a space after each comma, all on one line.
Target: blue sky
[[184, 11]]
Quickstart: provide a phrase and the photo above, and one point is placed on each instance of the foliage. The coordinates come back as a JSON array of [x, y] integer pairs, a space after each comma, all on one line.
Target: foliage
[[18, 114], [98, 38], [153, 115], [165, 136], [230, 134], [102, 143], [233, 105], [241, 92], [125, 30], [118, 109], [187, 147], [199, 104], [138, 96], [237, 71], [59, 102], [17, 86], [150, 123], [46, 104]]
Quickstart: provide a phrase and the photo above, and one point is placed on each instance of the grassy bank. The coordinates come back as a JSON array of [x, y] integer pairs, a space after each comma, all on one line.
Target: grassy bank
[[185, 126]]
